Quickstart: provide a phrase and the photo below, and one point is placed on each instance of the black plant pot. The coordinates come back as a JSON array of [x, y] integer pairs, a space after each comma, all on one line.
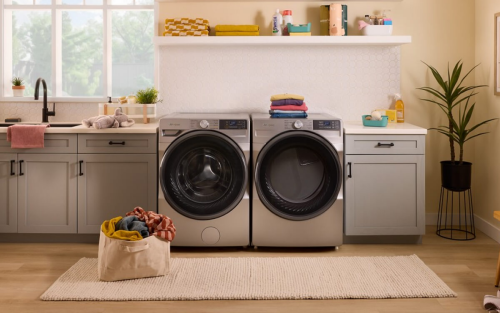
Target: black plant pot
[[456, 177]]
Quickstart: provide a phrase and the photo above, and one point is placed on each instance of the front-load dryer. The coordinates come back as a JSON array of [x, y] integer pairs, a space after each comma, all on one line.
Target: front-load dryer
[[297, 181], [203, 176]]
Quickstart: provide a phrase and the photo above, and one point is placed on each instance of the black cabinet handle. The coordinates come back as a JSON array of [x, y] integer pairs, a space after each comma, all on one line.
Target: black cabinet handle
[[21, 168], [350, 170], [12, 162], [116, 143], [385, 144], [81, 173]]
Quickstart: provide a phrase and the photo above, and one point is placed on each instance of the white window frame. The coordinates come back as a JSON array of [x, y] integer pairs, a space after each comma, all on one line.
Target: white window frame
[[56, 7]]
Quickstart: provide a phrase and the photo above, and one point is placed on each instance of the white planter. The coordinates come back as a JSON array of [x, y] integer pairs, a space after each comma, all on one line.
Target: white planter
[[18, 91], [377, 30]]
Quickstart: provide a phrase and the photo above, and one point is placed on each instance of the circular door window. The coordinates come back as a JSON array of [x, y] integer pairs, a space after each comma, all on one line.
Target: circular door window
[[298, 175], [203, 174]]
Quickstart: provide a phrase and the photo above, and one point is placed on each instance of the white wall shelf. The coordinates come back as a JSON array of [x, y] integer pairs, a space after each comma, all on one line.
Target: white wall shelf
[[275, 0], [271, 40]]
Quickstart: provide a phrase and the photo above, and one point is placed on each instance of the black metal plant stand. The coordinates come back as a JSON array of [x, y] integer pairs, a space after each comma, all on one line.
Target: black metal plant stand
[[455, 207]]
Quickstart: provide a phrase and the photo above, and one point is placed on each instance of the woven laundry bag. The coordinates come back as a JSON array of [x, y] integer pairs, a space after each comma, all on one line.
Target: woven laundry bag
[[122, 259]]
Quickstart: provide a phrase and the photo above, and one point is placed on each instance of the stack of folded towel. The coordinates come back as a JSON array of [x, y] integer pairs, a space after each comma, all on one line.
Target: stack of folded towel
[[186, 27], [237, 30], [288, 105]]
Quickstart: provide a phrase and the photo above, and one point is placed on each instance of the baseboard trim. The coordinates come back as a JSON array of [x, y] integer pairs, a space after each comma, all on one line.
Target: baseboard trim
[[481, 224]]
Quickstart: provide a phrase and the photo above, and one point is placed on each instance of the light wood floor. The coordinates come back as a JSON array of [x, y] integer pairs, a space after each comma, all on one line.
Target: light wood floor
[[27, 270]]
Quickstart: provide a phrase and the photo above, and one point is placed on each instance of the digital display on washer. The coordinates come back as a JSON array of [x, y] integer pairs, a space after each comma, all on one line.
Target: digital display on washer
[[232, 124], [326, 125]]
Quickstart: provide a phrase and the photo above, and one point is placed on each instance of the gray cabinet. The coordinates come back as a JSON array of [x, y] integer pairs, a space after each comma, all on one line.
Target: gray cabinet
[[8, 193], [112, 184], [47, 193], [384, 185]]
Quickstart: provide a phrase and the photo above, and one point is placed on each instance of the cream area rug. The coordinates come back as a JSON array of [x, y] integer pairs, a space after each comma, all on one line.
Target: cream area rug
[[260, 278]]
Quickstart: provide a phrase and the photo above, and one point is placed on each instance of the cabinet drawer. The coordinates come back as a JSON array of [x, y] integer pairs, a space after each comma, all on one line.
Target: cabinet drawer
[[117, 143], [384, 144], [54, 143]]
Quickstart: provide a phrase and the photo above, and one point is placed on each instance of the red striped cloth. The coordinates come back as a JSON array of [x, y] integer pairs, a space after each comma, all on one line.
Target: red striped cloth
[[158, 224]]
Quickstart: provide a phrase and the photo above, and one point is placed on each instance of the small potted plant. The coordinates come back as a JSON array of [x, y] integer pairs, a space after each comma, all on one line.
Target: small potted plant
[[455, 175], [147, 96], [17, 87]]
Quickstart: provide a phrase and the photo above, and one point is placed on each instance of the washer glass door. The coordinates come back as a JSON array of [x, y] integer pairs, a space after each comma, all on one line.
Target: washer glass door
[[298, 175], [203, 174]]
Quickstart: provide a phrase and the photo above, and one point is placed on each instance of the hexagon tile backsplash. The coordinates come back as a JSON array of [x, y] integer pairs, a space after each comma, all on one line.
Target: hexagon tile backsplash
[[32, 112]]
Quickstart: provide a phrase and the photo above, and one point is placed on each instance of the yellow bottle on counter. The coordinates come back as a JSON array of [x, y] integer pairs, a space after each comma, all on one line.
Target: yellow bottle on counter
[[400, 108]]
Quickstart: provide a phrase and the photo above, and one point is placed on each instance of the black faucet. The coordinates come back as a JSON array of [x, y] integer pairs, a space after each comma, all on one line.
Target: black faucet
[[45, 111]]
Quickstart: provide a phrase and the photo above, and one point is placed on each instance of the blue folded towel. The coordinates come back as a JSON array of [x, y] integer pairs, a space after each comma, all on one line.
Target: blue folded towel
[[133, 223], [287, 102], [289, 115]]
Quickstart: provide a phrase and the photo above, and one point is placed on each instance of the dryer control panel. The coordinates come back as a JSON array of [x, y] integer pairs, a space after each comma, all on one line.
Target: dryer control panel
[[233, 124], [326, 125]]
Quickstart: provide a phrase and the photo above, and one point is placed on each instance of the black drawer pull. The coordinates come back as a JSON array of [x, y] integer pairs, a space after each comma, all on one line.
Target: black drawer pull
[[350, 170], [117, 143], [81, 173], [21, 168], [385, 144], [12, 162]]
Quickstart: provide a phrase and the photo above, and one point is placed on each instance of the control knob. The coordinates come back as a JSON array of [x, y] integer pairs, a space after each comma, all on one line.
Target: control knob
[[297, 124], [204, 124]]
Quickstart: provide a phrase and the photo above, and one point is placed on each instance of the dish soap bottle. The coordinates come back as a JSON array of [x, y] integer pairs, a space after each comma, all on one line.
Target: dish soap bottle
[[277, 21], [400, 108]]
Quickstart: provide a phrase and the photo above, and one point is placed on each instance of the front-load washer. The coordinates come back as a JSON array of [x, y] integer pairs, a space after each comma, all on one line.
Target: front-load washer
[[297, 181], [203, 175]]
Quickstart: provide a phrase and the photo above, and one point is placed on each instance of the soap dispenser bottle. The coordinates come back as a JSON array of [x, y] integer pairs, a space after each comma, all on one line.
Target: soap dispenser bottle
[[277, 22], [400, 108]]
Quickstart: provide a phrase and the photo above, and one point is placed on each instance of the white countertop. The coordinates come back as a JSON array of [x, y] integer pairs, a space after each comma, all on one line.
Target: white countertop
[[357, 128], [137, 128]]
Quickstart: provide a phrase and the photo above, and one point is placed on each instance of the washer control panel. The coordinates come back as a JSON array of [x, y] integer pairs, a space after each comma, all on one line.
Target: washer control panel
[[298, 124], [204, 124], [326, 125], [233, 124]]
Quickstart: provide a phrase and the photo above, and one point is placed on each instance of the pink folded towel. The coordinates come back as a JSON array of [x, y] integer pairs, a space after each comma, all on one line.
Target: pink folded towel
[[302, 107], [26, 136]]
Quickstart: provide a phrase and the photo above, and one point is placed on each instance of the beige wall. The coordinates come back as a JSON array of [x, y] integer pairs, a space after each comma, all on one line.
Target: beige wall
[[486, 171], [442, 31]]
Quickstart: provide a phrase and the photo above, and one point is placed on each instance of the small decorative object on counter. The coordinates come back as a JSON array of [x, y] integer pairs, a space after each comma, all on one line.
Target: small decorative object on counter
[[183, 27], [131, 99], [369, 121], [277, 23], [17, 87], [400, 108], [237, 30], [391, 114], [376, 116], [287, 18], [336, 24], [109, 121]]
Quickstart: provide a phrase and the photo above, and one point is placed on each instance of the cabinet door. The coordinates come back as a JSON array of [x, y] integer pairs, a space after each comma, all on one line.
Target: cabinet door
[[384, 195], [47, 193], [111, 185], [8, 193]]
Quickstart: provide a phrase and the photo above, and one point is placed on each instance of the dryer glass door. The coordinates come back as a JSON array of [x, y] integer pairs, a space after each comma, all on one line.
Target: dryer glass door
[[298, 175], [203, 174]]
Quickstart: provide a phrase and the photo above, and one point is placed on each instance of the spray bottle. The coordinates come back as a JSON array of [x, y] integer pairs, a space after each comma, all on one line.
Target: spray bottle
[[400, 108]]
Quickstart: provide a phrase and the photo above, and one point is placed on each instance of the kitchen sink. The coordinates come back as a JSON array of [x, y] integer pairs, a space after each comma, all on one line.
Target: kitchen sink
[[51, 125]]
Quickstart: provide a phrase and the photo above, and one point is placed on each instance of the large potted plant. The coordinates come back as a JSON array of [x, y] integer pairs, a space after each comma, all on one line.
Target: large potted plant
[[455, 174]]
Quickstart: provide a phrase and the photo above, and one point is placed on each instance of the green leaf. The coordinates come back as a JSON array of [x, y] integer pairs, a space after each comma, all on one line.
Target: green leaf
[[434, 92], [437, 76]]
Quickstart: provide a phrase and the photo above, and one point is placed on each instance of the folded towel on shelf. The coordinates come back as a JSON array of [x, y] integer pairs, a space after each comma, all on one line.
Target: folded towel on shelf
[[186, 20], [26, 136], [289, 115], [186, 27], [131, 223], [287, 102], [109, 229], [185, 33], [286, 96], [236, 33], [237, 28], [302, 107]]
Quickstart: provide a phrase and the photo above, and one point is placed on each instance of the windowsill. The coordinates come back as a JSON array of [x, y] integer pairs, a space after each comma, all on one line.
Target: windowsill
[[53, 100]]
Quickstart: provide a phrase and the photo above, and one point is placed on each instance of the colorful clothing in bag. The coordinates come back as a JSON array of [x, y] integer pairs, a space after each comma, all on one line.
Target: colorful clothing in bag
[[158, 224], [109, 229]]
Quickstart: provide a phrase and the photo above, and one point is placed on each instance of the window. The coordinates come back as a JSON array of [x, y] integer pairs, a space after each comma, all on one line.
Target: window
[[82, 48]]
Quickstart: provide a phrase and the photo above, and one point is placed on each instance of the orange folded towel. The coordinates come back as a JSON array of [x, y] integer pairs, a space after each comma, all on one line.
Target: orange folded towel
[[26, 136]]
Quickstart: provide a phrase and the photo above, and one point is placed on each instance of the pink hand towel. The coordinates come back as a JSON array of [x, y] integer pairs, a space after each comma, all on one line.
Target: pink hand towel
[[26, 136], [302, 107]]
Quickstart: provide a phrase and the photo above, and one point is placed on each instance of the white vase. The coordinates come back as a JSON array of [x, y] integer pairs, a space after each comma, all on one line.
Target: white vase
[[18, 91]]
